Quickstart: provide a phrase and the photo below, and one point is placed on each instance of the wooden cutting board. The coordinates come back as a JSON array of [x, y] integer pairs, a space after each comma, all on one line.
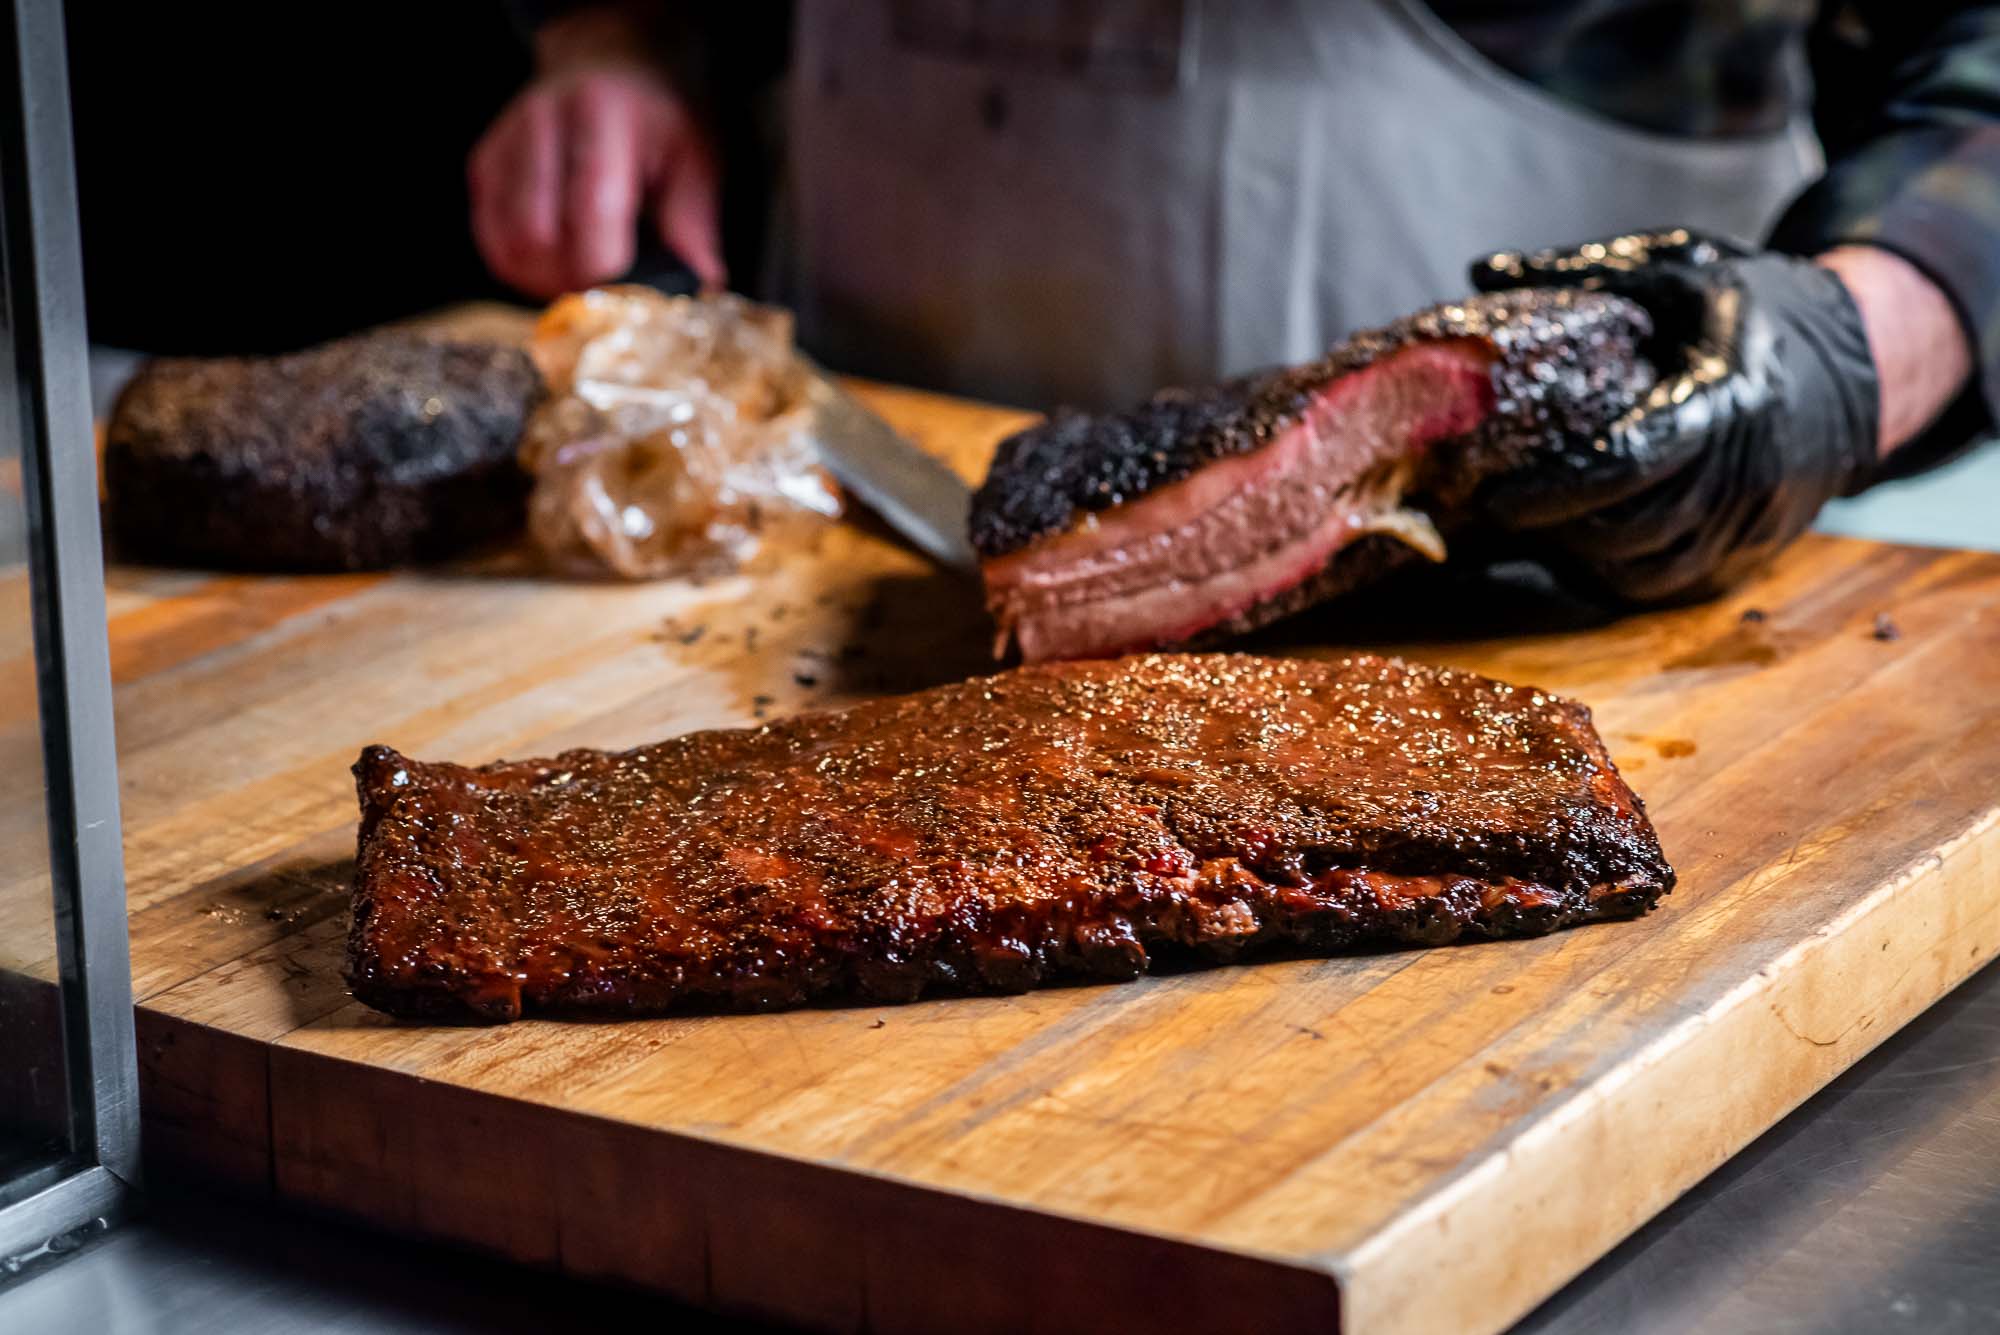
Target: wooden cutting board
[[1404, 1142]]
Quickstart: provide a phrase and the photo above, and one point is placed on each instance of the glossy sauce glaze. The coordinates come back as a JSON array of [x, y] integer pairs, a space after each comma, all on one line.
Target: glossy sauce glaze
[[1070, 820]]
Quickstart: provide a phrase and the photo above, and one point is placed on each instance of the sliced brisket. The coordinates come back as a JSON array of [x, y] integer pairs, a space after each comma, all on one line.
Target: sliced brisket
[[1214, 510], [1070, 820]]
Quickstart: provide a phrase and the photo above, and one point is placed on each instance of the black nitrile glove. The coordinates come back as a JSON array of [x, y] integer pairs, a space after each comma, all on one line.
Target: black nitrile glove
[[1765, 410]]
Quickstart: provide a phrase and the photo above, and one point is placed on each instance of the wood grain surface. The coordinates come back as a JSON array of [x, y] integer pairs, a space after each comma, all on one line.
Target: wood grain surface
[[1414, 1141]]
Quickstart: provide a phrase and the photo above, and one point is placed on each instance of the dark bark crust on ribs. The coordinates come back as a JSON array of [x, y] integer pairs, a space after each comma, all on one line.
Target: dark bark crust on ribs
[[370, 451], [1061, 821], [1566, 363]]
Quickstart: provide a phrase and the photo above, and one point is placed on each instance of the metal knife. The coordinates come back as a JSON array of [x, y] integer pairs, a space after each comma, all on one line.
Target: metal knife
[[913, 491]]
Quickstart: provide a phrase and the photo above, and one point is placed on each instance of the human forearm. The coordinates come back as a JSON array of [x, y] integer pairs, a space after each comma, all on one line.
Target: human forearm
[[1921, 353], [1909, 112], [599, 36]]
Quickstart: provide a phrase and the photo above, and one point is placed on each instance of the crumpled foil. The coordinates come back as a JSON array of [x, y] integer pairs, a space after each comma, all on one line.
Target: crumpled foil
[[675, 437]]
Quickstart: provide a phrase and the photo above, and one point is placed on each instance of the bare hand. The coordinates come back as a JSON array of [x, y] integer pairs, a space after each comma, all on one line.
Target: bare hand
[[560, 179]]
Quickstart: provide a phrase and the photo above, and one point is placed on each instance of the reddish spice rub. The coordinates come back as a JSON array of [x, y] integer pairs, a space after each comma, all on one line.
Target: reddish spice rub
[[1074, 820]]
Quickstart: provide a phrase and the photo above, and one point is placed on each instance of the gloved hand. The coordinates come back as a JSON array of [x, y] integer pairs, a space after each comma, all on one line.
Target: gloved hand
[[1765, 409]]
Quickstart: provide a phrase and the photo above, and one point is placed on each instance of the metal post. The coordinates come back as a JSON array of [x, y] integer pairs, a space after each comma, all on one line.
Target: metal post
[[44, 278]]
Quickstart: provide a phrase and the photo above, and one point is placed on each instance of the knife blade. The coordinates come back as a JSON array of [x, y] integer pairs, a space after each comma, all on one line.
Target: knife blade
[[914, 492]]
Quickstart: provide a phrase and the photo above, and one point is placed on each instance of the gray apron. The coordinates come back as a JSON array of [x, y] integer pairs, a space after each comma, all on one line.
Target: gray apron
[[1079, 201]]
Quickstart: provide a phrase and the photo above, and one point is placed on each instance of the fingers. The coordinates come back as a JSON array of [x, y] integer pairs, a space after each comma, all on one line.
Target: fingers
[[558, 182], [1601, 263], [516, 182], [1662, 546], [1650, 444], [687, 211], [601, 193]]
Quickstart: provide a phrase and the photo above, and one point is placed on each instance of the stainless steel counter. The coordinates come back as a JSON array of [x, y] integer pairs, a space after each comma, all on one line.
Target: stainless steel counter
[[1875, 1208]]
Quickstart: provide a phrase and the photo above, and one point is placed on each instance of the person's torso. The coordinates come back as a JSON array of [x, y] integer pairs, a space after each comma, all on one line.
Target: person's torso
[[1058, 202]]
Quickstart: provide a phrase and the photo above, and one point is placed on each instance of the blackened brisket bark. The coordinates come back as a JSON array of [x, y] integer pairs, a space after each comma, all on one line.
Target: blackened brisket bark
[[1057, 821], [370, 451], [1214, 510]]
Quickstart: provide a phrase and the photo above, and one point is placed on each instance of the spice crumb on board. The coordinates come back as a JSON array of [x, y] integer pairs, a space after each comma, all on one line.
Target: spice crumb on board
[[806, 679], [1752, 615], [672, 630], [1885, 628]]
